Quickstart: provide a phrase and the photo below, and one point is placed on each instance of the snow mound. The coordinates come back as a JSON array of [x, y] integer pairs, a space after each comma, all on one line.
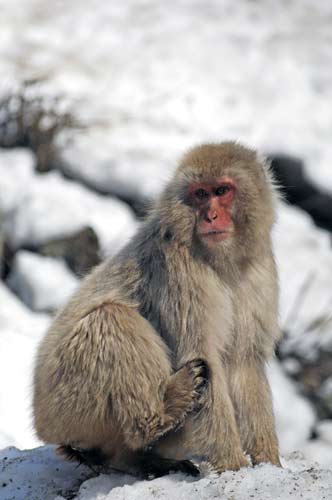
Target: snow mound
[[133, 173], [43, 283], [288, 404], [40, 475], [16, 170], [52, 207], [37, 475], [20, 332], [304, 259]]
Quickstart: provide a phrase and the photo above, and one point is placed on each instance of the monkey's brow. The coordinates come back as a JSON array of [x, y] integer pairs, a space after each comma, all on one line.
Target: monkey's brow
[[192, 177]]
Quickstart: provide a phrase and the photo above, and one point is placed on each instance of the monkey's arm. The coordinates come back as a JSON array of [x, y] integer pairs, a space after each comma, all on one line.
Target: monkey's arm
[[253, 405]]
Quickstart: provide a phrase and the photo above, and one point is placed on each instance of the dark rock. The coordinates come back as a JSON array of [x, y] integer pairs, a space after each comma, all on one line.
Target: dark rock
[[298, 190], [6, 259], [81, 251]]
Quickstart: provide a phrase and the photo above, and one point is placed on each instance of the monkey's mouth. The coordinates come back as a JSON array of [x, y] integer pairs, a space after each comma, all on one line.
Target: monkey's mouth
[[216, 235]]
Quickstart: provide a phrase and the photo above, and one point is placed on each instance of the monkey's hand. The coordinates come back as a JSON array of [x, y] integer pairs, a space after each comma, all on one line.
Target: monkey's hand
[[184, 393], [182, 396], [199, 373]]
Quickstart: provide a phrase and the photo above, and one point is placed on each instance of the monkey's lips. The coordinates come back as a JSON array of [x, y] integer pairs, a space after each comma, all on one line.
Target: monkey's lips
[[216, 235]]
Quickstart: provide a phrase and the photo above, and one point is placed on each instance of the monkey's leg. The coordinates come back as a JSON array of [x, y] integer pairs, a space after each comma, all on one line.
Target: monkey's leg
[[252, 399], [142, 463], [182, 396], [149, 465], [110, 375], [213, 432]]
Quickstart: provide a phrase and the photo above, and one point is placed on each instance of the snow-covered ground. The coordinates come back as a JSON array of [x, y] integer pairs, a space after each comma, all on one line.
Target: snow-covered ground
[[148, 79], [40, 475]]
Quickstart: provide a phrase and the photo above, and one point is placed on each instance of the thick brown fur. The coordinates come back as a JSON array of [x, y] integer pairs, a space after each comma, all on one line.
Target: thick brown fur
[[117, 370]]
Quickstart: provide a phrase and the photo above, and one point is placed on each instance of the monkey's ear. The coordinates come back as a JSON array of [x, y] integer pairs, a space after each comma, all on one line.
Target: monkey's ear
[[265, 161]]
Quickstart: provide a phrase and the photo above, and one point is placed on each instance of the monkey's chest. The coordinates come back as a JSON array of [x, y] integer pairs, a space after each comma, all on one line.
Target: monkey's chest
[[198, 322]]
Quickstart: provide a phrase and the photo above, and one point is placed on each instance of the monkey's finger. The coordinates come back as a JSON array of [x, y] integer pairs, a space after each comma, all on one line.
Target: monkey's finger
[[200, 372]]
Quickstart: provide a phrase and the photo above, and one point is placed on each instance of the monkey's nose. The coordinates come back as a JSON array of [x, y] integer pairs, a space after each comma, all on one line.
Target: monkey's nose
[[211, 216]]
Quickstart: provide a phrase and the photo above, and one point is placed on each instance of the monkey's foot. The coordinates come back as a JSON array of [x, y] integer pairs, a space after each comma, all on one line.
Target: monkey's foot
[[152, 466], [266, 457], [231, 464]]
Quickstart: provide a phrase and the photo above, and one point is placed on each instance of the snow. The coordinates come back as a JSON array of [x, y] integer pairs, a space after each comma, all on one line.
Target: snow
[[43, 283], [51, 206], [319, 451], [324, 430], [20, 331], [37, 475], [16, 168], [40, 475], [293, 432], [132, 173], [304, 259], [264, 482]]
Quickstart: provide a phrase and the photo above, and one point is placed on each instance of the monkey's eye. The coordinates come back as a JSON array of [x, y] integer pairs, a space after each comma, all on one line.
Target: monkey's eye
[[221, 190], [201, 194]]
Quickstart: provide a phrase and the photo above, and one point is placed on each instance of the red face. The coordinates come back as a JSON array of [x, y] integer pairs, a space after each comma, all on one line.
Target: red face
[[213, 204]]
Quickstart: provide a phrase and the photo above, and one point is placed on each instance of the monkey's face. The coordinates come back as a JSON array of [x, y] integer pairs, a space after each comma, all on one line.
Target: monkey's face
[[213, 205], [221, 197], [230, 198]]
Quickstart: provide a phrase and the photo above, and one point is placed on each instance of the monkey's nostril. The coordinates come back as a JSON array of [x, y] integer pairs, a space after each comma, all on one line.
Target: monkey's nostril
[[211, 216]]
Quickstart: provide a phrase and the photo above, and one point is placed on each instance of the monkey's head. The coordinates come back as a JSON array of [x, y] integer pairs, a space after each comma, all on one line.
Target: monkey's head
[[223, 197]]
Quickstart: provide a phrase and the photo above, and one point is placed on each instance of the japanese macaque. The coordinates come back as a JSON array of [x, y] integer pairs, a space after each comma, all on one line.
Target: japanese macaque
[[160, 355]]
